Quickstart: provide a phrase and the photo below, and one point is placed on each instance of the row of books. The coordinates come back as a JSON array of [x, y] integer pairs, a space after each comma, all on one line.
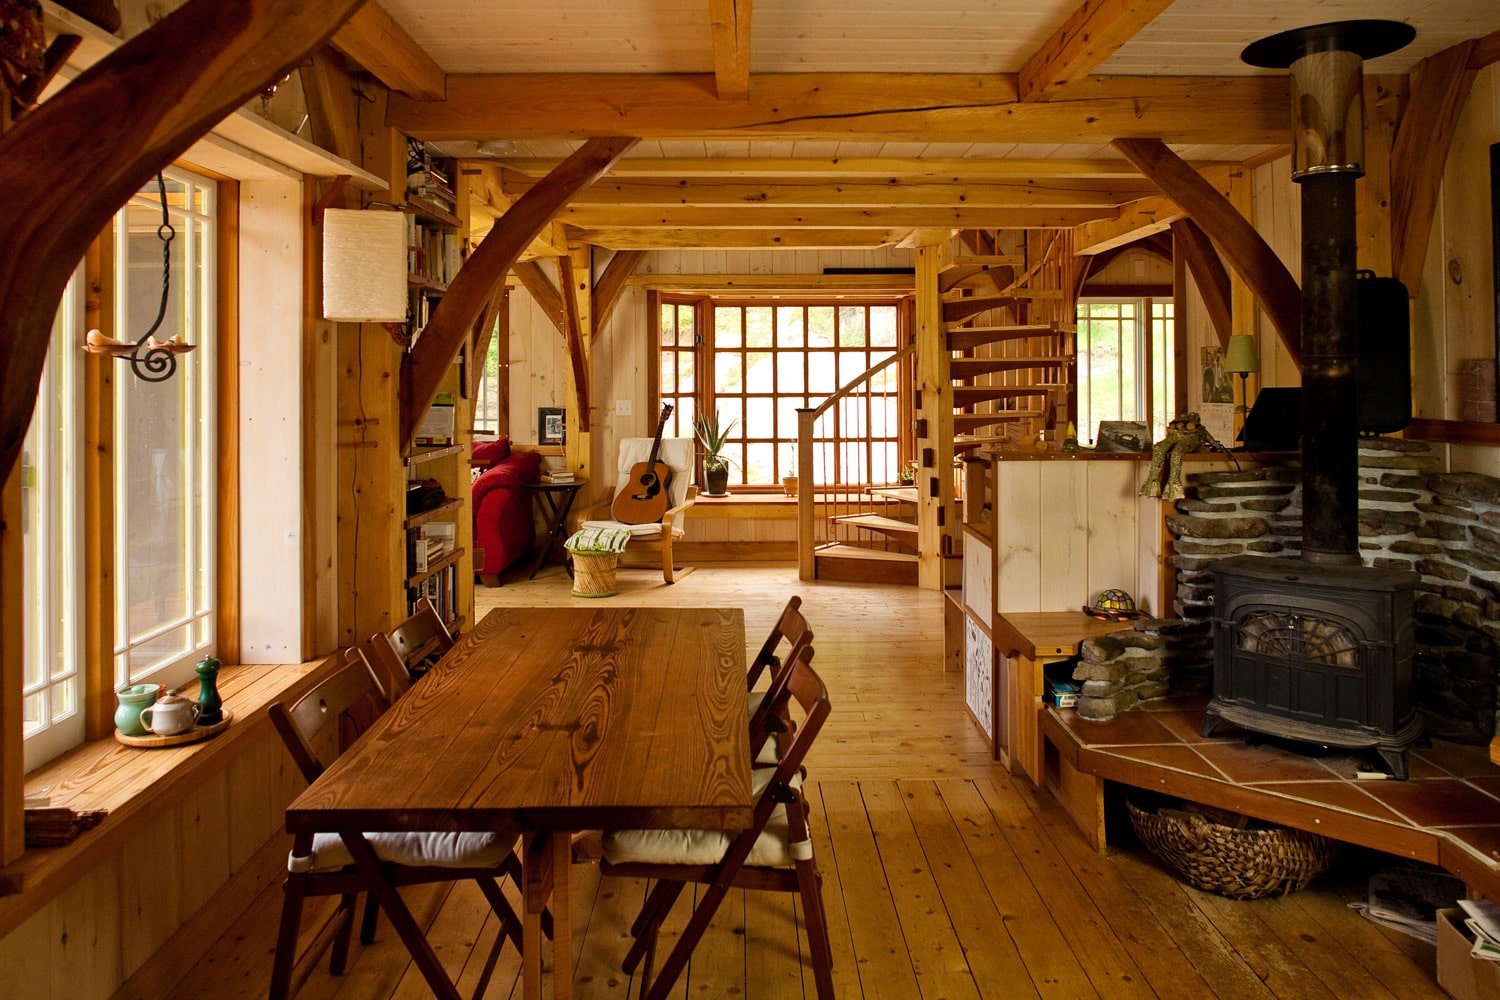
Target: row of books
[[441, 588], [432, 253], [428, 543]]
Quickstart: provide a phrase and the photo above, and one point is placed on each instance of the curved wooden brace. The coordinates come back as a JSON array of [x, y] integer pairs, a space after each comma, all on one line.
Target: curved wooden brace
[[487, 265], [70, 163], [1272, 284], [1208, 271]]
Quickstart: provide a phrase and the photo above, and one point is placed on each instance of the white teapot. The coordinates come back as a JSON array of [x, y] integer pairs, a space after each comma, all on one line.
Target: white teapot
[[172, 714]]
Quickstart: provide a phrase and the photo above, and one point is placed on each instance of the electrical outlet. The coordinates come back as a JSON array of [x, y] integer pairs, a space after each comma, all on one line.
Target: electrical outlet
[[622, 407]]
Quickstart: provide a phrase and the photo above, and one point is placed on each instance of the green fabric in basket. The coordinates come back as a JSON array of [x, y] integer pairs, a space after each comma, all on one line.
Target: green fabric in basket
[[598, 540]]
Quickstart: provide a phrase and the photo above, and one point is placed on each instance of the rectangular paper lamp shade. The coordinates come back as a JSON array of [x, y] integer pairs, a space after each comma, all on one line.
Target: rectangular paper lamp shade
[[364, 266]]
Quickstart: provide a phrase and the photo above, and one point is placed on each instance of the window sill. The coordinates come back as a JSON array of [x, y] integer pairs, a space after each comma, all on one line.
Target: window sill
[[136, 784]]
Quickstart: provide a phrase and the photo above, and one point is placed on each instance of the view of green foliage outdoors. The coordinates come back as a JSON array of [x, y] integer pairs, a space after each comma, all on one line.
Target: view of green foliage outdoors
[[1124, 374], [768, 359]]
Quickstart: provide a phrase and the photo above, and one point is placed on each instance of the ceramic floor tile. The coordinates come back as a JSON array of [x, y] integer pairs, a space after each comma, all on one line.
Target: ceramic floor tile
[[1187, 725], [1127, 728], [1256, 763], [1456, 759], [1345, 796], [1488, 783], [1437, 802], [1482, 841], [1175, 756]]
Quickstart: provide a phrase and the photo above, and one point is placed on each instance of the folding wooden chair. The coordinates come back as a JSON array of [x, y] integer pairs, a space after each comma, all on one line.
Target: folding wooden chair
[[324, 864], [399, 656], [774, 853], [792, 628]]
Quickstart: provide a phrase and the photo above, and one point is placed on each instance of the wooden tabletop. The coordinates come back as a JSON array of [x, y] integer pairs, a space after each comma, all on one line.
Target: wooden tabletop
[[558, 718], [1048, 633]]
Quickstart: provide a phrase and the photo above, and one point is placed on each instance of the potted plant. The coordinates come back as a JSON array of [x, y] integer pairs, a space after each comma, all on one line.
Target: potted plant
[[713, 436]]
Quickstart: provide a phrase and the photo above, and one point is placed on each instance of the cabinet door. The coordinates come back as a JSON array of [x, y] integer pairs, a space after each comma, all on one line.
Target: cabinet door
[[979, 682]]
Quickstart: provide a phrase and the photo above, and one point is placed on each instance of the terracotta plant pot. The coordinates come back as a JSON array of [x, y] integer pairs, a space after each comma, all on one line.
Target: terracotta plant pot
[[789, 484]]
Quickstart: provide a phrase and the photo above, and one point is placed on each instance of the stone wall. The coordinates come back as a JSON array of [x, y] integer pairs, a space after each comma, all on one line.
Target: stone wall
[[1412, 516]]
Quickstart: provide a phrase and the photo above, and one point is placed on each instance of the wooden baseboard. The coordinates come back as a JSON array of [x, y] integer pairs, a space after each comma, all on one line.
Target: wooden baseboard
[[214, 920]]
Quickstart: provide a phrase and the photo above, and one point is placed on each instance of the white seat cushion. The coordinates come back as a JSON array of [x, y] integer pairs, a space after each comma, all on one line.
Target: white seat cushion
[[437, 850], [651, 529], [703, 847]]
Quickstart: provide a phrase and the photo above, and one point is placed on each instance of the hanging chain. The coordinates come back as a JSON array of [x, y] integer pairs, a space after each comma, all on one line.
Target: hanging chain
[[158, 364]]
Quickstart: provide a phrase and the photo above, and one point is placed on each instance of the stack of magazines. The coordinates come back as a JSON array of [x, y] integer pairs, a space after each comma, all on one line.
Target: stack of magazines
[[1407, 900]]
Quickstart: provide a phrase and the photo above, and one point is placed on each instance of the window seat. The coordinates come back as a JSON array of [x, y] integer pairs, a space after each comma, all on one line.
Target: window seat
[[137, 784]]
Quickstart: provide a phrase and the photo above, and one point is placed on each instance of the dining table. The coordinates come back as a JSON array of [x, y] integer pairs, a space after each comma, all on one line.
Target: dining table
[[547, 722]]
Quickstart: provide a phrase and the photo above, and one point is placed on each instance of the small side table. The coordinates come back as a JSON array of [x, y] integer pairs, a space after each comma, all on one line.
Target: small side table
[[554, 500]]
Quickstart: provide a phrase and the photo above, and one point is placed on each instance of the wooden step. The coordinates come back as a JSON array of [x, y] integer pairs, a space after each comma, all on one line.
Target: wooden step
[[964, 443], [964, 338], [852, 564], [902, 531], [988, 260], [971, 305], [964, 422], [967, 368], [970, 395], [906, 494]]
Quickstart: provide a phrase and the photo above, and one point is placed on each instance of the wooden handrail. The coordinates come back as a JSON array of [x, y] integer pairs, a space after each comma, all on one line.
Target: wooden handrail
[[848, 387]]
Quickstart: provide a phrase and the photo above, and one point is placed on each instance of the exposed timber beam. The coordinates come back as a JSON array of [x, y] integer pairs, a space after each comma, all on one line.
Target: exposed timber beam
[[981, 108], [487, 265], [881, 168], [1439, 87], [1234, 236], [1090, 35], [661, 192], [773, 217], [738, 239], [611, 283], [729, 21], [330, 104], [1486, 51], [373, 39], [1136, 221], [573, 282], [548, 298], [484, 334], [1208, 272]]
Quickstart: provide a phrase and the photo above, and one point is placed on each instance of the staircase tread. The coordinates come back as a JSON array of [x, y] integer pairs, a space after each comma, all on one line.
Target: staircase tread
[[906, 493], [855, 552], [878, 521]]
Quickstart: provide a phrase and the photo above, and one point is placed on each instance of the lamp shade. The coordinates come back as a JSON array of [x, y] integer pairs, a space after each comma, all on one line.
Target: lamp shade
[[364, 266], [1242, 356]]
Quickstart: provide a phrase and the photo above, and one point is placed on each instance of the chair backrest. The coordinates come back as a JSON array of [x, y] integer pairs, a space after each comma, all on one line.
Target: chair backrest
[[421, 635], [350, 696], [678, 453], [791, 627], [379, 656], [805, 689]]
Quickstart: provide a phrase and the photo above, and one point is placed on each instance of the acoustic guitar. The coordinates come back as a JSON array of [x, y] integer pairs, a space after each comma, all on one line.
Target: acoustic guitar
[[644, 498]]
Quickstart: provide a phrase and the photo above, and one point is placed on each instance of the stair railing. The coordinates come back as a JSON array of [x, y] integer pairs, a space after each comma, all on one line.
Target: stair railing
[[821, 449]]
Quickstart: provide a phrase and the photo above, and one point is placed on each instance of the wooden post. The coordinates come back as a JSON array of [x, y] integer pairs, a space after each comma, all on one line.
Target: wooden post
[[806, 495], [935, 415]]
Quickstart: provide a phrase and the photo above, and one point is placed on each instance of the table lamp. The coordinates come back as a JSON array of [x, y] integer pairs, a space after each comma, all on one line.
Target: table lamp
[[1242, 358]]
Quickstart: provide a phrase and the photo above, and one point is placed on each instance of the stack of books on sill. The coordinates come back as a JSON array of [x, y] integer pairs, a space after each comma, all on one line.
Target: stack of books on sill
[[428, 543], [558, 476]]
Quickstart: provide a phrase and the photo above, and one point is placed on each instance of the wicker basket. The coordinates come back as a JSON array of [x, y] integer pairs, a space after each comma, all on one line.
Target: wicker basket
[[1241, 864], [594, 574]]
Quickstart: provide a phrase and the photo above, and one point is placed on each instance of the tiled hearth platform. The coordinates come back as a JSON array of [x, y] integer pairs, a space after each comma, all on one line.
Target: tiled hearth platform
[[1448, 813]]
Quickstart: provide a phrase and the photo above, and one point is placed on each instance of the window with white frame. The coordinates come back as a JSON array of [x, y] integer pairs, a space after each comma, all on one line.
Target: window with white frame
[[756, 361], [165, 512], [1126, 365], [52, 692]]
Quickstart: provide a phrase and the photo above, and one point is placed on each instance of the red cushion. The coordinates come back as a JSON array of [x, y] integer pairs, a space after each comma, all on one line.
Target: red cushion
[[487, 453]]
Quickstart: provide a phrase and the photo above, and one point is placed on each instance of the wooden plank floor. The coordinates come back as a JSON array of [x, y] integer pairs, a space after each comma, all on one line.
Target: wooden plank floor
[[944, 877]]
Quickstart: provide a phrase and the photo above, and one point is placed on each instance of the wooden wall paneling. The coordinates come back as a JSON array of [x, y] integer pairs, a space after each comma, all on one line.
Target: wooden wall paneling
[[255, 805], [87, 932], [1383, 97], [150, 889], [203, 828], [1152, 544], [1018, 542], [1278, 216], [26, 953], [1434, 372], [1063, 500], [1242, 299], [320, 486], [1111, 527]]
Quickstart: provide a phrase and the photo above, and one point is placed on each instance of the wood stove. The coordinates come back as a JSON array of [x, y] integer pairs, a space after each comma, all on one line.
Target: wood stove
[[1321, 654]]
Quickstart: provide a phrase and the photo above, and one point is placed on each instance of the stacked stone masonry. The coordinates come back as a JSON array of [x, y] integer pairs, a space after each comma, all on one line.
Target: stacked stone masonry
[[1446, 526]]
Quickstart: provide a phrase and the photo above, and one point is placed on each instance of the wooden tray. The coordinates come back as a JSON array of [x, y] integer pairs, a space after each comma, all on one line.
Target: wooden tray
[[177, 739]]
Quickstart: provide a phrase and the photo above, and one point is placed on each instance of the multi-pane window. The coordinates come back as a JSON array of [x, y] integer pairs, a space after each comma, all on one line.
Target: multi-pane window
[[1125, 364], [765, 359], [51, 529], [165, 511]]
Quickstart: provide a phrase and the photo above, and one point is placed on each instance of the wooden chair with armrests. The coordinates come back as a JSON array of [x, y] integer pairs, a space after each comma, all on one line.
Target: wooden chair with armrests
[[774, 853], [323, 864], [677, 453]]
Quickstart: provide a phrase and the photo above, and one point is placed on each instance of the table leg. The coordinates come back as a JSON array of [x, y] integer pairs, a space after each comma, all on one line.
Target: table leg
[[547, 857]]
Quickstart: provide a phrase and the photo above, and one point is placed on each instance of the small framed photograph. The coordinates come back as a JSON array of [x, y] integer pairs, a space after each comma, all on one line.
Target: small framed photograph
[[550, 425], [1123, 436]]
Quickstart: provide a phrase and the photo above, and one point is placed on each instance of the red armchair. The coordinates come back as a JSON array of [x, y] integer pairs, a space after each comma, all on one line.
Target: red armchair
[[503, 526]]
